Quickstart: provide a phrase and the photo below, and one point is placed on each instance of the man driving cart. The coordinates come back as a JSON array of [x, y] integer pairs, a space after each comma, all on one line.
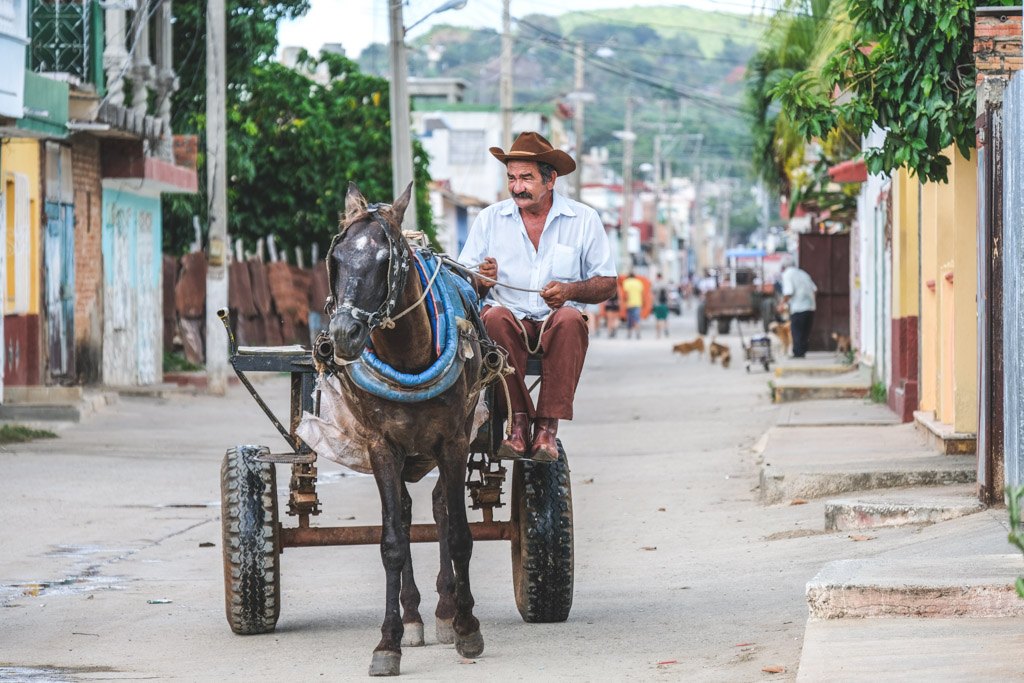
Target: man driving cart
[[542, 257]]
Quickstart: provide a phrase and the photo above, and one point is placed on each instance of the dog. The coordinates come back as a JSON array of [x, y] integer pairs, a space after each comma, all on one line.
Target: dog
[[684, 348], [842, 342], [719, 352], [785, 335]]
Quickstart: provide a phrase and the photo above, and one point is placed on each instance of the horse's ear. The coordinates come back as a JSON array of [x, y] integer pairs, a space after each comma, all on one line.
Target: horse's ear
[[355, 202], [399, 206]]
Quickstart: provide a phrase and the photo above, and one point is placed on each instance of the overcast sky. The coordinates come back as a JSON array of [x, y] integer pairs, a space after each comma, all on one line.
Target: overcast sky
[[358, 23]]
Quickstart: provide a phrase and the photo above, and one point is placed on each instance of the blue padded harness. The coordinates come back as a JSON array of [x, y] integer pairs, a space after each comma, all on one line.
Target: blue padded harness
[[453, 298]]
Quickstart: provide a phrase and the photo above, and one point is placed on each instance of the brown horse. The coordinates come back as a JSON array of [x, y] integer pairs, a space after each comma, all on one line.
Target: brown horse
[[369, 266]]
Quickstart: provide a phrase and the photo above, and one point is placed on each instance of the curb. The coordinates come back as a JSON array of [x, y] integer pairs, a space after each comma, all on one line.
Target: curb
[[978, 586], [777, 486]]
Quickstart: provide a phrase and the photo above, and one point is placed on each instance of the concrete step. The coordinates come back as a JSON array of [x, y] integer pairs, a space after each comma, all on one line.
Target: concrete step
[[835, 413], [811, 367], [871, 650], [778, 485], [902, 507], [943, 437], [850, 384], [71, 406], [974, 586]]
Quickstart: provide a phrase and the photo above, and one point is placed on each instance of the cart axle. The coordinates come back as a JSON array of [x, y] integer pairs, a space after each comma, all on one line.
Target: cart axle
[[297, 537]]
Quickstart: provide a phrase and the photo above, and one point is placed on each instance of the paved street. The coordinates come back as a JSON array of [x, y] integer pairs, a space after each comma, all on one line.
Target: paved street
[[680, 572]]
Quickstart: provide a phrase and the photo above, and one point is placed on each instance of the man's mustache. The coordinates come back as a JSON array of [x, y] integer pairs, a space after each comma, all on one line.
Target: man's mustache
[[522, 195]]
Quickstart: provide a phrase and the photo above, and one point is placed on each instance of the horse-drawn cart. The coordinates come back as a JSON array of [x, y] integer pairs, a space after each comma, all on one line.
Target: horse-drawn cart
[[540, 524]]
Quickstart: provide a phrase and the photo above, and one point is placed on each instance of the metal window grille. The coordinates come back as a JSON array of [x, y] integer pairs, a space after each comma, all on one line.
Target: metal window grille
[[59, 37]]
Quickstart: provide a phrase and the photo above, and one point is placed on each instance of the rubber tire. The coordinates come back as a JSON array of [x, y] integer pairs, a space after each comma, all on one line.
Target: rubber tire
[[723, 325], [251, 541], [702, 319], [542, 539], [767, 313]]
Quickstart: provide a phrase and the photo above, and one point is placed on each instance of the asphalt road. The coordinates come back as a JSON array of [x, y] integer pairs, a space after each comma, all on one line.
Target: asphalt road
[[111, 562]]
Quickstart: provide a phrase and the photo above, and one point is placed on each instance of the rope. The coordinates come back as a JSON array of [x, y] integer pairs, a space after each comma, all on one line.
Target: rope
[[534, 350], [389, 323], [472, 270]]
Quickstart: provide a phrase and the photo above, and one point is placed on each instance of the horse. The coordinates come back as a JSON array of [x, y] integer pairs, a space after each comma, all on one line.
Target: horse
[[376, 304]]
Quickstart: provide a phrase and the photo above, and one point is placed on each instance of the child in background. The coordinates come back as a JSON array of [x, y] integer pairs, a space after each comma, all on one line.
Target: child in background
[[660, 311]]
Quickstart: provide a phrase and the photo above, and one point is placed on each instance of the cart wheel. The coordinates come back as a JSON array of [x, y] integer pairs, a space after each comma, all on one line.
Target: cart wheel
[[542, 539], [723, 325], [702, 319], [252, 542]]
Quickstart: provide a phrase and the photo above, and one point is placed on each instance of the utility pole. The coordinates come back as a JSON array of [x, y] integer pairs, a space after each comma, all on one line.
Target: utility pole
[[505, 87], [401, 141], [216, 189], [577, 121], [697, 238], [627, 182]]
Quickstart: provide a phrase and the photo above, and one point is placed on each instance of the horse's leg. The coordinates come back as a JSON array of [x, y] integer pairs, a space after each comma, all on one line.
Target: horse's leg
[[445, 612], [394, 552], [412, 622], [468, 641]]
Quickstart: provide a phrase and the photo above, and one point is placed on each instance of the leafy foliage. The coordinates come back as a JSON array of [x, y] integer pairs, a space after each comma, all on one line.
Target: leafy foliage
[[293, 143], [301, 142], [1013, 499], [15, 433], [908, 67]]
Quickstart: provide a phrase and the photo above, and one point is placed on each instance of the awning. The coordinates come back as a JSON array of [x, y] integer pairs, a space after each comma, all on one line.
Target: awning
[[852, 171]]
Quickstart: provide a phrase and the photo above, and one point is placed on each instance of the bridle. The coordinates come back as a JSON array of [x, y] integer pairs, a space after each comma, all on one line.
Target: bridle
[[398, 269]]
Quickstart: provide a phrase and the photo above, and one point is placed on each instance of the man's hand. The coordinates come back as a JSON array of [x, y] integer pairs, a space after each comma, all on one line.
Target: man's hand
[[488, 269], [555, 294]]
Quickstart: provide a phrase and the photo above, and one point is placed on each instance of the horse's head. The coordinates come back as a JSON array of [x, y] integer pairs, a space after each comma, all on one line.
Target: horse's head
[[367, 267]]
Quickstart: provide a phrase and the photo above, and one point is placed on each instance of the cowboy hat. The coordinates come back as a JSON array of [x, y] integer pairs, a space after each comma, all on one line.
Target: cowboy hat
[[532, 146]]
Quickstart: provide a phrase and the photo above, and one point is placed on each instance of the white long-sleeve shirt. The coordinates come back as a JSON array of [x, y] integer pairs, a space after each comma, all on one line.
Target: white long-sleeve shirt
[[573, 247]]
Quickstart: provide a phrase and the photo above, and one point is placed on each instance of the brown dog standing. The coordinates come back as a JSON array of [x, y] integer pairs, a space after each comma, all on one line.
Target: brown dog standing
[[683, 348], [785, 335], [719, 351]]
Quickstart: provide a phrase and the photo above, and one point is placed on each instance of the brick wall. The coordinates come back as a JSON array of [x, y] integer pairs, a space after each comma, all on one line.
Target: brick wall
[[997, 43], [85, 160], [186, 149]]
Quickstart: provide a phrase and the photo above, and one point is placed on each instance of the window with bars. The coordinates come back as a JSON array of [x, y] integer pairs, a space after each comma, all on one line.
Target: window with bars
[[66, 37]]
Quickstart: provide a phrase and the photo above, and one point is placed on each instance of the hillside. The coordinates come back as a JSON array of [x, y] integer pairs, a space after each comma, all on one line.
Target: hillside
[[711, 30], [682, 67]]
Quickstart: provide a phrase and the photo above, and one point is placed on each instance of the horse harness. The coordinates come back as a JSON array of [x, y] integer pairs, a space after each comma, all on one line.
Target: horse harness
[[398, 270]]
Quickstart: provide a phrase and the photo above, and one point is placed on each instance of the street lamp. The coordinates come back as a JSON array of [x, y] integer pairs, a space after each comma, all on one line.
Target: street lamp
[[451, 4], [401, 141]]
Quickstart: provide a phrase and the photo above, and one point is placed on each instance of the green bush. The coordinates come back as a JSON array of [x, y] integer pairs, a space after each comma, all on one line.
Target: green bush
[[14, 433], [1013, 497], [879, 394], [176, 362]]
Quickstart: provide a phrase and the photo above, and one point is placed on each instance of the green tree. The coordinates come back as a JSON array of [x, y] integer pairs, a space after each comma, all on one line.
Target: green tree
[[302, 142], [908, 67], [293, 144]]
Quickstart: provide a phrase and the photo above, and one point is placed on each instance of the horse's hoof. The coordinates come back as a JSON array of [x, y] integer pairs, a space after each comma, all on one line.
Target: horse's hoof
[[445, 631], [471, 646], [386, 663], [413, 635]]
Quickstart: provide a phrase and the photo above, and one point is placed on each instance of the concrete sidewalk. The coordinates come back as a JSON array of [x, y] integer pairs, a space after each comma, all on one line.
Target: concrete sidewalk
[[940, 605]]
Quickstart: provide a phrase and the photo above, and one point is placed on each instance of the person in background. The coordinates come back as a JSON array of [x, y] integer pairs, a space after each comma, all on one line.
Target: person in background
[[612, 318], [633, 288], [798, 296], [661, 315]]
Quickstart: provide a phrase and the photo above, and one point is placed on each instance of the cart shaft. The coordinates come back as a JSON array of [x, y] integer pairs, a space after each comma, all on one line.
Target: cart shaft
[[297, 537]]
